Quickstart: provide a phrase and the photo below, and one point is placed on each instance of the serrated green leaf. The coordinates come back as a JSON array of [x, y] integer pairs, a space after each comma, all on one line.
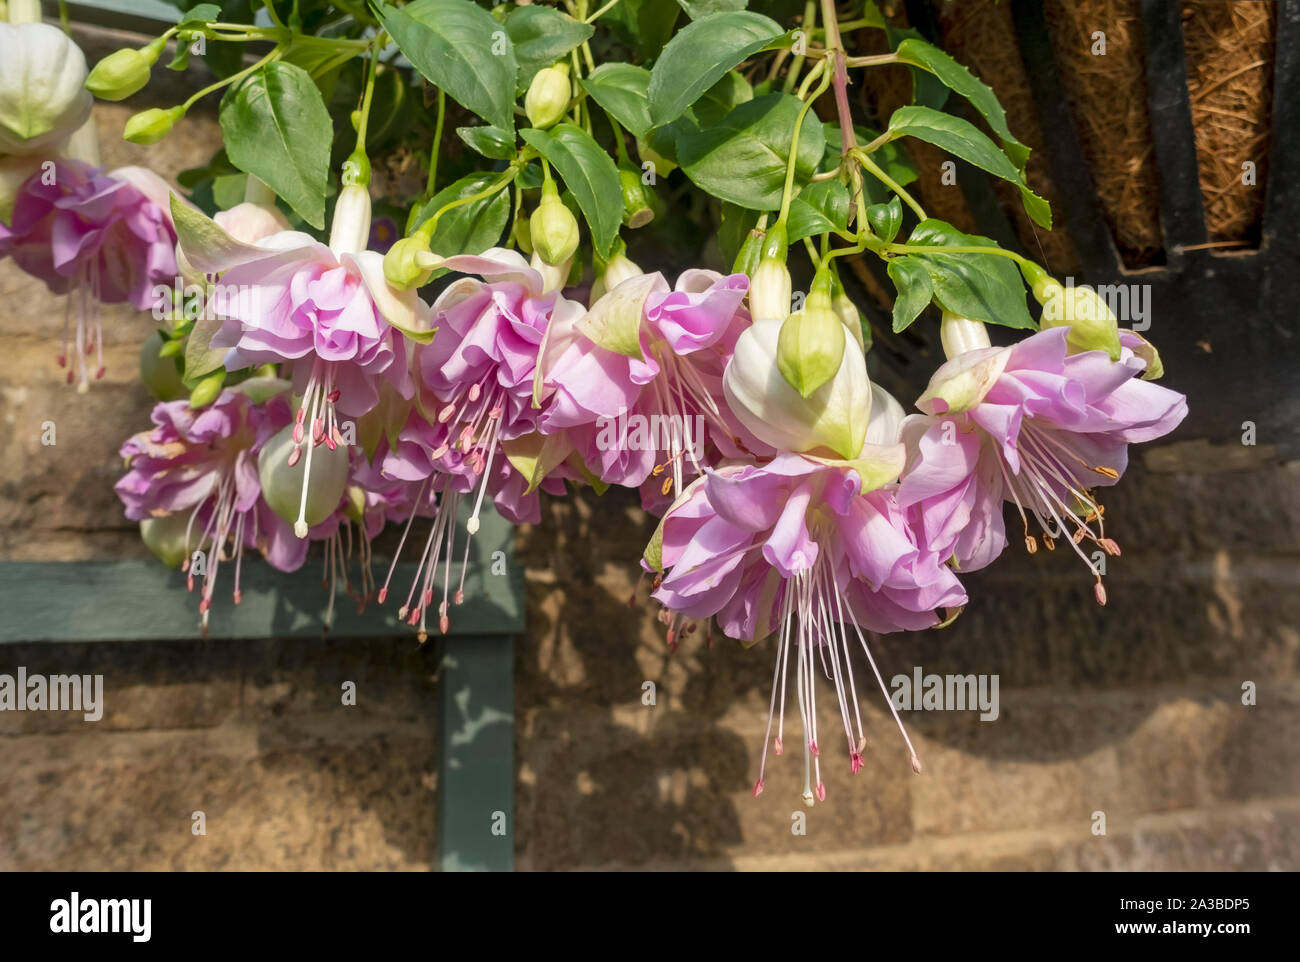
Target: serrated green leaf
[[463, 49], [695, 59], [590, 173], [275, 127], [959, 137], [743, 159]]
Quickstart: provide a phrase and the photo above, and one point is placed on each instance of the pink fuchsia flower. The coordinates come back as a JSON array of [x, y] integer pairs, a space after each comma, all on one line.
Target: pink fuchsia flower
[[812, 552], [1033, 425], [481, 379], [477, 419], [97, 237], [640, 388], [327, 312], [200, 468]]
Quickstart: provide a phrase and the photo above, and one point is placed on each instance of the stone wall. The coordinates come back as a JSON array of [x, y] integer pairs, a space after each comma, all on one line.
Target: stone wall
[[1134, 710]]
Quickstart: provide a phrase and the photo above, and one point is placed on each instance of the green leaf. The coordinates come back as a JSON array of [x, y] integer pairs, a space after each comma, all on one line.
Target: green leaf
[[695, 59], [470, 228], [819, 208], [200, 359], [491, 142], [885, 219], [743, 159], [963, 139], [461, 48], [200, 14], [590, 173], [720, 99], [927, 89], [698, 9], [957, 78], [985, 287], [275, 127], [959, 137], [912, 280], [620, 90], [541, 36]]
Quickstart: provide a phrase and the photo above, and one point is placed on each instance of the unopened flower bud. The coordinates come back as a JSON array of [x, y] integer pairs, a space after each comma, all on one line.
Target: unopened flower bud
[[548, 96], [636, 205], [1093, 326], [770, 288], [553, 228], [124, 72], [811, 344], [402, 265], [617, 270], [282, 482], [152, 125], [960, 334], [208, 389], [43, 97], [165, 537], [847, 311], [350, 229]]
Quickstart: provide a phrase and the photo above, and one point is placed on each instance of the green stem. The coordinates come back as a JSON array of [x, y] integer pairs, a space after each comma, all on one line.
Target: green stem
[[602, 11], [368, 97], [511, 172], [941, 249], [875, 60], [276, 53], [809, 24], [788, 195], [880, 175], [437, 145], [270, 12]]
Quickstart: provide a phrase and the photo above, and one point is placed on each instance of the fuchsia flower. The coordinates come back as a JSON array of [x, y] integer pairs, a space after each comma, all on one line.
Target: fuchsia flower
[[326, 311], [640, 388], [803, 548], [98, 237], [1035, 426], [200, 468], [476, 389]]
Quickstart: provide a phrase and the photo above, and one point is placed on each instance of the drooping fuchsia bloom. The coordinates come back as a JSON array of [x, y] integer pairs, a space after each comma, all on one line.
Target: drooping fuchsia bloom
[[812, 552], [195, 475], [1033, 425], [326, 311], [640, 388], [100, 238], [477, 383]]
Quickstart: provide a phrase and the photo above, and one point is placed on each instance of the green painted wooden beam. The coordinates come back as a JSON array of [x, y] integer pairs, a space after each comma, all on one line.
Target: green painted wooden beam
[[144, 601], [476, 781]]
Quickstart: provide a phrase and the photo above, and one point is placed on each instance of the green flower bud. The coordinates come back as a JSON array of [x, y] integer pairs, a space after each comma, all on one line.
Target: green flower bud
[[548, 96], [402, 267], [811, 344], [165, 537], [553, 228], [1093, 326], [848, 311], [636, 206], [770, 287], [207, 390], [523, 233], [123, 72], [152, 125], [158, 374]]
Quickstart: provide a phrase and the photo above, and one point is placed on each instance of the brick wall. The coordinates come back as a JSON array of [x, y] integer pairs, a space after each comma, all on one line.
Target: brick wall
[[1134, 710]]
